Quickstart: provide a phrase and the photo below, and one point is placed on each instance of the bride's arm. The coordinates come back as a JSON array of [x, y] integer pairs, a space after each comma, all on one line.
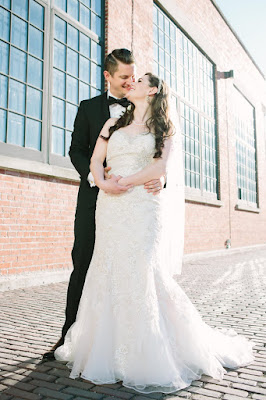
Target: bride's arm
[[155, 170], [96, 165]]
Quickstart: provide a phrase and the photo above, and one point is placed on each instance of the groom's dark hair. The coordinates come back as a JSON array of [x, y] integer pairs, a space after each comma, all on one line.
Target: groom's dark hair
[[125, 56]]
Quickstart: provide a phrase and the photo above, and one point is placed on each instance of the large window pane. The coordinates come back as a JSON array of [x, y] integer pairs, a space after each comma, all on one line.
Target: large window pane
[[72, 37], [5, 3], [3, 91], [72, 89], [84, 69], [34, 103], [20, 7], [96, 24], [18, 63], [58, 112], [4, 49], [85, 45], [59, 83], [60, 29], [85, 16], [17, 92], [2, 125], [36, 14], [35, 72], [61, 4], [84, 91], [96, 51], [58, 142], [36, 42], [59, 55], [4, 24], [33, 134], [15, 129], [71, 112], [73, 8], [19, 33], [96, 75], [72, 62]]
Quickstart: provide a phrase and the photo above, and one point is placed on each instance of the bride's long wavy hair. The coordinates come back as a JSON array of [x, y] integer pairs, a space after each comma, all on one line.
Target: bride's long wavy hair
[[159, 122]]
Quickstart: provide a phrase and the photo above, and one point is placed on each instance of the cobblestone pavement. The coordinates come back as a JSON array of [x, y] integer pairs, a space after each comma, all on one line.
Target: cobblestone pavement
[[229, 291]]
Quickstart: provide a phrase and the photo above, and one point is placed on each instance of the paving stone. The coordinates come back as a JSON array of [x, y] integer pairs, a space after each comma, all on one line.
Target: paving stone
[[250, 388], [22, 394], [258, 396], [225, 389], [206, 392], [112, 392], [82, 393], [52, 393], [75, 383]]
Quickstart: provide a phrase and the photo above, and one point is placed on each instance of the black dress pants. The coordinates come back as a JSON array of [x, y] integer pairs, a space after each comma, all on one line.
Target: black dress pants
[[84, 230]]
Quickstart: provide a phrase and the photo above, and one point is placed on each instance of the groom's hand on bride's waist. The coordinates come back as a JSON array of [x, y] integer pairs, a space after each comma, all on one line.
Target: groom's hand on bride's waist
[[155, 185], [112, 186]]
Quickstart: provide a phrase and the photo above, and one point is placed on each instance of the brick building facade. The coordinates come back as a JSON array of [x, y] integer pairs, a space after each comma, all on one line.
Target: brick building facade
[[219, 92]]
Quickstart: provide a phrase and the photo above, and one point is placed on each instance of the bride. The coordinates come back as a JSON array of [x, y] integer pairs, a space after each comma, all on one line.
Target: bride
[[135, 324]]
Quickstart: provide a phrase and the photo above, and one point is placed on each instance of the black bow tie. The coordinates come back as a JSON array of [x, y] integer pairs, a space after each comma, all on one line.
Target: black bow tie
[[123, 102]]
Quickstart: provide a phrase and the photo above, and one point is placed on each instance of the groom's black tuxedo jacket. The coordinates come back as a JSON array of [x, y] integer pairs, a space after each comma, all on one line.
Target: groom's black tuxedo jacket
[[91, 116]]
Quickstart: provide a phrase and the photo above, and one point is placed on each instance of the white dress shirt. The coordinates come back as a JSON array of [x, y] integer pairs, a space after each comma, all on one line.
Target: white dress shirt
[[116, 110]]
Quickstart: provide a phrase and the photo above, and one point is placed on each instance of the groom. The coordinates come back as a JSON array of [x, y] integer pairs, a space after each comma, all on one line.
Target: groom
[[119, 71]]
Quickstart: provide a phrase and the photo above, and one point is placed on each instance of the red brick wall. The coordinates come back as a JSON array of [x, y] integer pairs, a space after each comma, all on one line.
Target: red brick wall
[[36, 222]]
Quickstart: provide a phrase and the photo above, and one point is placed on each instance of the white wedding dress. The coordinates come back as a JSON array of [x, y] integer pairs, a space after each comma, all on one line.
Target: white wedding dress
[[135, 324]]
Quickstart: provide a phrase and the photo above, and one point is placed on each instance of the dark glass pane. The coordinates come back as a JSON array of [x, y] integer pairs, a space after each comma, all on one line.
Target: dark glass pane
[[4, 24], [36, 14], [59, 83], [4, 49], [58, 141], [73, 8], [19, 33], [34, 103], [84, 69], [20, 7], [72, 89], [58, 112], [15, 130], [96, 51], [72, 37], [71, 112], [2, 125], [72, 62], [85, 16], [16, 96], [18, 63], [61, 4], [36, 42], [33, 134], [3, 91], [60, 29], [59, 55], [85, 45], [35, 70]]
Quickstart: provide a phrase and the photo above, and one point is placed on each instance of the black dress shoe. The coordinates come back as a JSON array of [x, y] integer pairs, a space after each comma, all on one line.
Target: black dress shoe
[[49, 355]]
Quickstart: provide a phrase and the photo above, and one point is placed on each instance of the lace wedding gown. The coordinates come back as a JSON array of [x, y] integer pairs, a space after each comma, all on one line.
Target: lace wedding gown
[[135, 324]]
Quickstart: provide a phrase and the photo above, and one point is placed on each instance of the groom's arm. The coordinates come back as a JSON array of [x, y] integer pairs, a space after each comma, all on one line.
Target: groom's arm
[[79, 148]]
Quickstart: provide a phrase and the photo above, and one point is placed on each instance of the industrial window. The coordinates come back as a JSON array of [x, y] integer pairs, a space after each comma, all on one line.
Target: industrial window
[[245, 149], [190, 76], [21, 73], [46, 69]]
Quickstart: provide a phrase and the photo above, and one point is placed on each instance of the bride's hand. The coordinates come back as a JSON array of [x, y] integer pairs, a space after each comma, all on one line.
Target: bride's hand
[[113, 185], [123, 182]]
